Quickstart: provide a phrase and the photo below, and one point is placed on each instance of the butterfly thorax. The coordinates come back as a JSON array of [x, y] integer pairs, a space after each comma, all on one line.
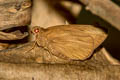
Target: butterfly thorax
[[42, 40]]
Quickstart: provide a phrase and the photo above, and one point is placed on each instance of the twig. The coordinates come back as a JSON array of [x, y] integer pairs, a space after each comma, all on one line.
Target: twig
[[58, 72], [106, 9]]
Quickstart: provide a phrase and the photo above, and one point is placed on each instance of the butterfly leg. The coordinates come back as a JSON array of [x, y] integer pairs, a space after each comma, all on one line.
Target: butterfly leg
[[31, 48]]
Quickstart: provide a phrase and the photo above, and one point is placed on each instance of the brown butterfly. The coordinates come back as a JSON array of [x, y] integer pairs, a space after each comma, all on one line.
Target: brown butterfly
[[74, 42]]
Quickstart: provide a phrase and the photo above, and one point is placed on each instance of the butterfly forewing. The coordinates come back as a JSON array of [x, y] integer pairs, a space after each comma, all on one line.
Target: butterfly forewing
[[70, 42]]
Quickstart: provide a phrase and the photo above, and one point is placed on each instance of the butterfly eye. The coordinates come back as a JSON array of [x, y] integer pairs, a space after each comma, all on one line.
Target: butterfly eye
[[36, 30]]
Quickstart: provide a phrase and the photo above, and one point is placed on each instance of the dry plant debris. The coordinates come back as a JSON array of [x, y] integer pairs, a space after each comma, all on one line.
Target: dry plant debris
[[20, 63]]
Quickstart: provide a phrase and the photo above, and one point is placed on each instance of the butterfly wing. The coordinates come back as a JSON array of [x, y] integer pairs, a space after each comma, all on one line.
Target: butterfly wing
[[70, 42]]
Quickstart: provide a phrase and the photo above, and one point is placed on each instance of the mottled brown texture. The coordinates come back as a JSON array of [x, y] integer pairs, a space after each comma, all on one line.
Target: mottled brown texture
[[14, 13], [82, 71]]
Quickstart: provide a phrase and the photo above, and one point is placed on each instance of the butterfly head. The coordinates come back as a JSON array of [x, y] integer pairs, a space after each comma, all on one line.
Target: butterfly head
[[40, 37], [36, 30]]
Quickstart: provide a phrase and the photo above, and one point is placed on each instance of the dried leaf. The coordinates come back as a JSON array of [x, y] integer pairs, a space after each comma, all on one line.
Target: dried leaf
[[12, 36], [14, 13]]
